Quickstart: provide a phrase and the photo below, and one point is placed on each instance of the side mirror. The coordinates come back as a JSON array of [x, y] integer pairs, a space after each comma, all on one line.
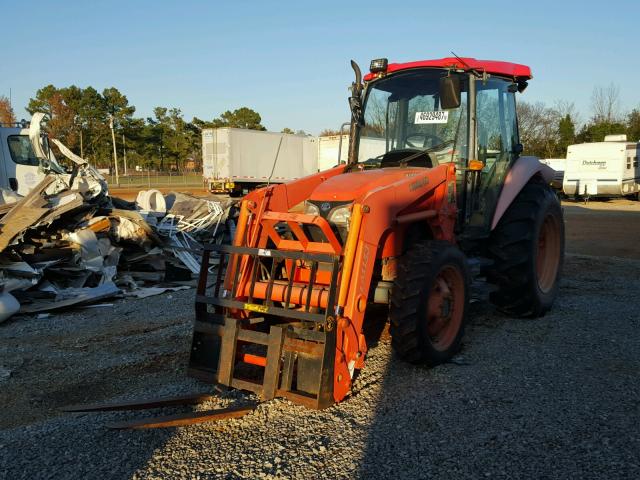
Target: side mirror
[[449, 92]]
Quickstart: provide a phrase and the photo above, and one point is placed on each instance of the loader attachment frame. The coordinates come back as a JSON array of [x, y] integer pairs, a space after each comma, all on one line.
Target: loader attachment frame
[[271, 336]]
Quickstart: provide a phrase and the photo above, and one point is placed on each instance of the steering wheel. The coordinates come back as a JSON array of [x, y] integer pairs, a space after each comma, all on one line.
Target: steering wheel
[[435, 140]]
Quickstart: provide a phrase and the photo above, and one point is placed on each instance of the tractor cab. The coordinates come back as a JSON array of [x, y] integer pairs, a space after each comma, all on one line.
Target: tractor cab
[[453, 110]]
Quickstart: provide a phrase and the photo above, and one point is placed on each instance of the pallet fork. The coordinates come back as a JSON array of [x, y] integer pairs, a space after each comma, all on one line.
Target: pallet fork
[[176, 420]]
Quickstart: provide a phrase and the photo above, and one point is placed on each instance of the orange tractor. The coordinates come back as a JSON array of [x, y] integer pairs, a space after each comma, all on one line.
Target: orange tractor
[[442, 198]]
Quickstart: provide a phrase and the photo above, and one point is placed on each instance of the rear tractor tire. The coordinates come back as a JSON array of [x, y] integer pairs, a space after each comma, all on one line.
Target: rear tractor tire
[[429, 303], [527, 248]]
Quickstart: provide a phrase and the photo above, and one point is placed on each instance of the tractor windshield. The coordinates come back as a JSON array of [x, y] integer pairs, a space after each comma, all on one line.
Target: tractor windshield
[[403, 117]]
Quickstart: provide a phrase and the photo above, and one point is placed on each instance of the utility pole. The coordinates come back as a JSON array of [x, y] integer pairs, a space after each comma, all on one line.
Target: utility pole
[[115, 153], [124, 154], [161, 155]]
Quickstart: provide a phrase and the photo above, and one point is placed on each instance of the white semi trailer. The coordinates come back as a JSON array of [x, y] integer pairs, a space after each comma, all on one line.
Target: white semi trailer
[[237, 160], [605, 169], [334, 149]]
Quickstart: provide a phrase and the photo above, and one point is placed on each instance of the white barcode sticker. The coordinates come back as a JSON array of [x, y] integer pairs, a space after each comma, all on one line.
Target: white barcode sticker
[[438, 116]]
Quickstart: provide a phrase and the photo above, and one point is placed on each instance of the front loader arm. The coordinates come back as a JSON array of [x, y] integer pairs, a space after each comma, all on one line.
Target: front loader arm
[[430, 196]]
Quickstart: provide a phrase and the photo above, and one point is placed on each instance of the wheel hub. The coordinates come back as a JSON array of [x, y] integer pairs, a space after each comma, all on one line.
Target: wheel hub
[[445, 307], [548, 253]]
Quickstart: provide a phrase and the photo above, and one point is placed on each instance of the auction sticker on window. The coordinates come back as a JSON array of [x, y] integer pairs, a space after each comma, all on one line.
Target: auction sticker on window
[[438, 116]]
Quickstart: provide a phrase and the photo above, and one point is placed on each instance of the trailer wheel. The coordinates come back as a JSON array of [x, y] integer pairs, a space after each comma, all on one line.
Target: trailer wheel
[[429, 303], [527, 248]]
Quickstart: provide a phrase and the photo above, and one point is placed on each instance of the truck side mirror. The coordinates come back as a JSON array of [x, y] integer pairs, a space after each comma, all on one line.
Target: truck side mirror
[[449, 92]]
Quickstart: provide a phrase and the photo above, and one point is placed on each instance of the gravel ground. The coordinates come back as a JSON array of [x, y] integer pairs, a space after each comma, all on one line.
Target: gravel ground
[[556, 397]]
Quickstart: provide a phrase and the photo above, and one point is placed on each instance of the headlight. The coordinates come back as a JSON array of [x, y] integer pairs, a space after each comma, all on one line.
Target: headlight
[[311, 209], [340, 216]]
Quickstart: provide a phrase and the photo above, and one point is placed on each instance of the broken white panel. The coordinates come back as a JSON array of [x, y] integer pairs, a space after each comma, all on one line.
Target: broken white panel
[[22, 269], [126, 229], [9, 196], [62, 200], [18, 275], [151, 202], [88, 180], [111, 257], [151, 291], [9, 284], [90, 255], [178, 230], [182, 244], [47, 160], [35, 137], [181, 240], [68, 153], [71, 297], [8, 306]]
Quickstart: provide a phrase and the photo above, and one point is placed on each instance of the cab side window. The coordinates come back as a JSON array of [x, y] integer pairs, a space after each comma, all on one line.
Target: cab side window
[[497, 135], [21, 150]]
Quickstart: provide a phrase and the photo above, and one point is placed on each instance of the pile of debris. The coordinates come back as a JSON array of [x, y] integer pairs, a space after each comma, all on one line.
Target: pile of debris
[[68, 242]]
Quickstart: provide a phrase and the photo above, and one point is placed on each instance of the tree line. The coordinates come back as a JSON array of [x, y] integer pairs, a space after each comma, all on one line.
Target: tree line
[[81, 118], [546, 132]]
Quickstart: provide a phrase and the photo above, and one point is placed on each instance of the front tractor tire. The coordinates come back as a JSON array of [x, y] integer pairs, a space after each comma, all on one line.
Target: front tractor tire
[[429, 303], [527, 248]]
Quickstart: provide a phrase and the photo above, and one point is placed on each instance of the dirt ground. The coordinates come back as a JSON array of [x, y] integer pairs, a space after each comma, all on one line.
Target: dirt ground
[[563, 387], [603, 228]]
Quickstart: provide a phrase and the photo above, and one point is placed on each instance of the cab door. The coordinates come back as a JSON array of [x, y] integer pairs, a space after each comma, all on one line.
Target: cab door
[[497, 143], [4, 159], [22, 166]]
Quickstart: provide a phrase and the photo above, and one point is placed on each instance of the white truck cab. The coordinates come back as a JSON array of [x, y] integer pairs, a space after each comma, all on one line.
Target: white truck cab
[[19, 166]]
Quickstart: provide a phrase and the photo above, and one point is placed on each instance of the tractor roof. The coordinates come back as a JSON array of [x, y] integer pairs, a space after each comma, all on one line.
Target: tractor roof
[[507, 69]]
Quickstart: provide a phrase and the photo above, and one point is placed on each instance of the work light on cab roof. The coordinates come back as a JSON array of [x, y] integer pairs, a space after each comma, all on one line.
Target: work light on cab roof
[[378, 65]]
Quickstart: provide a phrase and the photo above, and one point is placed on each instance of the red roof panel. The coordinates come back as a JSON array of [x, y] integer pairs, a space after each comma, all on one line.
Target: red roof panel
[[506, 69]]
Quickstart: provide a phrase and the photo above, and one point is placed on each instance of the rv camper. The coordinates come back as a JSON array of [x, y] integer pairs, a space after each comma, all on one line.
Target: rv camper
[[603, 169]]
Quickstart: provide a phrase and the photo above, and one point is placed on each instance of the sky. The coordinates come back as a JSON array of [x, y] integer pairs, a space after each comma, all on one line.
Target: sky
[[289, 61]]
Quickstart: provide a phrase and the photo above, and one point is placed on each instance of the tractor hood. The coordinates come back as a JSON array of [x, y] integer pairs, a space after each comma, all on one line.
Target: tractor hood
[[355, 185]]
